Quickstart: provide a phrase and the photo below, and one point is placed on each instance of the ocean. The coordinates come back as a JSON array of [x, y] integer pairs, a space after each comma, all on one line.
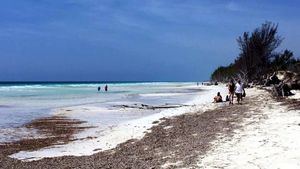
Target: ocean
[[23, 102]]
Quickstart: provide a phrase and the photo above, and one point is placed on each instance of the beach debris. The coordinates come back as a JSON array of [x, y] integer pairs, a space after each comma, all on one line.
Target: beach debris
[[155, 122], [53, 130], [153, 107], [282, 82]]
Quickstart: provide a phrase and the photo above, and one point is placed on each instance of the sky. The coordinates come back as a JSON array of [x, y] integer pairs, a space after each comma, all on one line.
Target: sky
[[132, 40]]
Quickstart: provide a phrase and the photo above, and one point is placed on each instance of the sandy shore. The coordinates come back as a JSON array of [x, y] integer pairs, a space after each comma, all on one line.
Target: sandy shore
[[253, 134], [269, 138]]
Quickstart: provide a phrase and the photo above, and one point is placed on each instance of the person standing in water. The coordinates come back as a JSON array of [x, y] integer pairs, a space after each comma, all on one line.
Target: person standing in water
[[99, 88], [106, 88]]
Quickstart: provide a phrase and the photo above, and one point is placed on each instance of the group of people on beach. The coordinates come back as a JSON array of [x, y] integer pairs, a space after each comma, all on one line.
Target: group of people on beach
[[105, 88], [233, 89]]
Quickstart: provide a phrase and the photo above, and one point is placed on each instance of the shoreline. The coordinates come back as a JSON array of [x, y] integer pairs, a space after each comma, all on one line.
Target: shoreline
[[108, 139], [184, 140]]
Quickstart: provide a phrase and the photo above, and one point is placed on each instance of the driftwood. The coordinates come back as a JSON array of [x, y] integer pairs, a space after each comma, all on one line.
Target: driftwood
[[281, 89], [283, 82], [272, 80], [146, 106]]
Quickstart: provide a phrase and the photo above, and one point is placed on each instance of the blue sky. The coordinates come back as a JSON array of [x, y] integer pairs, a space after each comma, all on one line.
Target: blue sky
[[135, 40]]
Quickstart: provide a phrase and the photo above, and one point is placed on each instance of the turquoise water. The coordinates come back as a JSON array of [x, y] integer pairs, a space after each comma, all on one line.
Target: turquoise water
[[23, 102]]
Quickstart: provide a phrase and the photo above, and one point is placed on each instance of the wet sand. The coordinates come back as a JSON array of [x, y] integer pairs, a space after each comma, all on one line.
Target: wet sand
[[53, 130]]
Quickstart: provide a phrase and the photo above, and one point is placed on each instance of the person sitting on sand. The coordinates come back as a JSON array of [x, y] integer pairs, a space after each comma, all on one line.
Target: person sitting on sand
[[239, 91], [231, 88], [218, 98]]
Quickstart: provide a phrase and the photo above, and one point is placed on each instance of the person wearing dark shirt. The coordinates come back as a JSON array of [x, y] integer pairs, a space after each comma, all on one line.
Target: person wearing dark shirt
[[231, 88]]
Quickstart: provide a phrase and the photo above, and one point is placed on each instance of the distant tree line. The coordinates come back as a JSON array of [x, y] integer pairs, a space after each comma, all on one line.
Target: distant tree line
[[257, 57]]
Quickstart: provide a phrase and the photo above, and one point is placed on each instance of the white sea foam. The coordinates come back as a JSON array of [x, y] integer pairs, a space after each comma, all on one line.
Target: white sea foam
[[160, 94], [14, 134]]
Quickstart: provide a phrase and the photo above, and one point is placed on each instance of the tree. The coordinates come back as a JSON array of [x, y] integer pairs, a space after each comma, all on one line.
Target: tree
[[223, 73], [283, 61], [257, 57], [257, 49]]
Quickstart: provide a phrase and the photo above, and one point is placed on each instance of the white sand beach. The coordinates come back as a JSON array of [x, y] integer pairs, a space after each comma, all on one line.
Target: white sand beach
[[260, 133], [269, 139]]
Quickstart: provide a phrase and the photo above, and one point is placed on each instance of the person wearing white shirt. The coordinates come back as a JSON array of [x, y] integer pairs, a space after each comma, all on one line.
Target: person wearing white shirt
[[239, 91]]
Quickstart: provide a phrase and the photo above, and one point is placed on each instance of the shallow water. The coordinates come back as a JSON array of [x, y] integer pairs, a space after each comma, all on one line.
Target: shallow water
[[21, 103]]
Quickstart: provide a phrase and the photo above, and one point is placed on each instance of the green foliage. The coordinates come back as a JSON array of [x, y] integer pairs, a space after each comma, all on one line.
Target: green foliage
[[294, 66], [283, 61], [257, 49], [223, 73]]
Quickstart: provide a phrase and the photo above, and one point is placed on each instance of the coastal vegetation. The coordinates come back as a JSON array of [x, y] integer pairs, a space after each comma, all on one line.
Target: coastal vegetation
[[258, 57]]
